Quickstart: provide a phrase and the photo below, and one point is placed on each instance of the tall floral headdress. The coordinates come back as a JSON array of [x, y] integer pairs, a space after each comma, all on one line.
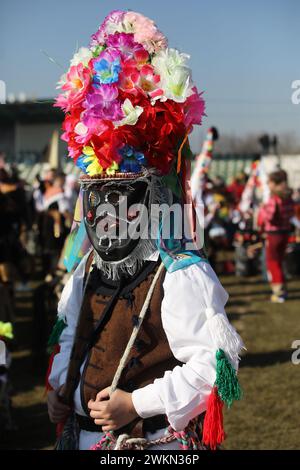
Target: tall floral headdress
[[129, 100]]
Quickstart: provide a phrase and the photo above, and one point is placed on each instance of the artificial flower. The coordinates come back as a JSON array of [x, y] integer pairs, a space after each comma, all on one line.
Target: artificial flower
[[125, 45], [145, 31], [112, 169], [175, 76], [69, 135], [129, 101], [177, 86], [148, 82], [110, 25], [194, 108], [165, 61], [92, 166], [107, 67], [141, 57], [84, 132], [102, 103], [105, 149], [82, 56], [128, 74], [132, 114], [78, 80], [62, 80], [88, 162], [96, 50], [132, 160]]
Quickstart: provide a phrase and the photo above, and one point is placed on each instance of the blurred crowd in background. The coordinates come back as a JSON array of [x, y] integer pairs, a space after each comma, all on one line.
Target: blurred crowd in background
[[36, 220]]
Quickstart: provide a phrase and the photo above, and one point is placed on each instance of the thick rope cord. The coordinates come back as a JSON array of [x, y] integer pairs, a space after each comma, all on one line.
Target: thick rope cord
[[126, 442], [187, 439], [135, 331]]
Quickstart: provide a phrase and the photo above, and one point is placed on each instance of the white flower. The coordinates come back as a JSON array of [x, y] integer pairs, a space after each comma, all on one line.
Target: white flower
[[176, 77], [81, 129], [132, 114], [62, 81], [167, 60], [82, 56], [112, 28], [178, 86]]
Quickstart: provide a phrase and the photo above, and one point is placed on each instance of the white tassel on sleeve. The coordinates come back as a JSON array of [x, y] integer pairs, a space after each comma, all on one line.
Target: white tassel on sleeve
[[224, 334]]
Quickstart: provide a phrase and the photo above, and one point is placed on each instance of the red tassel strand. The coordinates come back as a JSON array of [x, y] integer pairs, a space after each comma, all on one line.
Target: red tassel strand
[[55, 351], [213, 430]]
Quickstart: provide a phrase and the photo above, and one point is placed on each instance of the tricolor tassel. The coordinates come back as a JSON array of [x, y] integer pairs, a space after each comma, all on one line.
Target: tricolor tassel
[[57, 330], [56, 349], [227, 382], [213, 430]]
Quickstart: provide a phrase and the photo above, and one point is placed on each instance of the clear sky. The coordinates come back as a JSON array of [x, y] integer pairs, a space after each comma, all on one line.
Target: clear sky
[[244, 53]]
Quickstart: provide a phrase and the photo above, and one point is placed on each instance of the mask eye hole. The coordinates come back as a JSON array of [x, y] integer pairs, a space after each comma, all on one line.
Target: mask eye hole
[[113, 197], [94, 199]]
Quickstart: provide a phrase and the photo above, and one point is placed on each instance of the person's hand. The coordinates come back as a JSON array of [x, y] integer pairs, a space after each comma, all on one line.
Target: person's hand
[[57, 411], [112, 412]]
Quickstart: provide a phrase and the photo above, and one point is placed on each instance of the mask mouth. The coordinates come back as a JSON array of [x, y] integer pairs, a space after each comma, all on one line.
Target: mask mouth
[[112, 230], [107, 244]]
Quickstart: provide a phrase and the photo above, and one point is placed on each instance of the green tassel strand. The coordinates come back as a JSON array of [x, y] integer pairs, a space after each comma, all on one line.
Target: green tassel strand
[[227, 382], [58, 328]]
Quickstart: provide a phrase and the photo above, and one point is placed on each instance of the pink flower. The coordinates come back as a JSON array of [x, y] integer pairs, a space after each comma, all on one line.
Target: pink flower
[[114, 17], [194, 108], [148, 81], [84, 133], [145, 31], [102, 103], [78, 80], [110, 54], [61, 101], [125, 44]]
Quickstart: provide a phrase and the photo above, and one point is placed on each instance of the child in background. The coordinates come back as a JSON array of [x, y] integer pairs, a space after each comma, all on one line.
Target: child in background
[[274, 219]]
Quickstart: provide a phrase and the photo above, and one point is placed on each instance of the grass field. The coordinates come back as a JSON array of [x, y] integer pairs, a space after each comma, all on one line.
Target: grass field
[[268, 417]]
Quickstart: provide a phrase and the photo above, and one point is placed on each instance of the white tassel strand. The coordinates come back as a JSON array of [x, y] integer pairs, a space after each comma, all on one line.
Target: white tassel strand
[[224, 334]]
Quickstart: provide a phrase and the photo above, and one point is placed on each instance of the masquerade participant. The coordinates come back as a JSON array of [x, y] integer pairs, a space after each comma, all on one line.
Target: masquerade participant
[[145, 356]]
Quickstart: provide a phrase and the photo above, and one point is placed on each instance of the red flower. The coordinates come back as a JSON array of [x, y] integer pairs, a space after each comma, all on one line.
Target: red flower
[[69, 135]]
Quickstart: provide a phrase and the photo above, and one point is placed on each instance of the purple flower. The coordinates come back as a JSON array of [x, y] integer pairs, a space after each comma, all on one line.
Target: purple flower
[[124, 43], [110, 54], [102, 103], [115, 16]]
